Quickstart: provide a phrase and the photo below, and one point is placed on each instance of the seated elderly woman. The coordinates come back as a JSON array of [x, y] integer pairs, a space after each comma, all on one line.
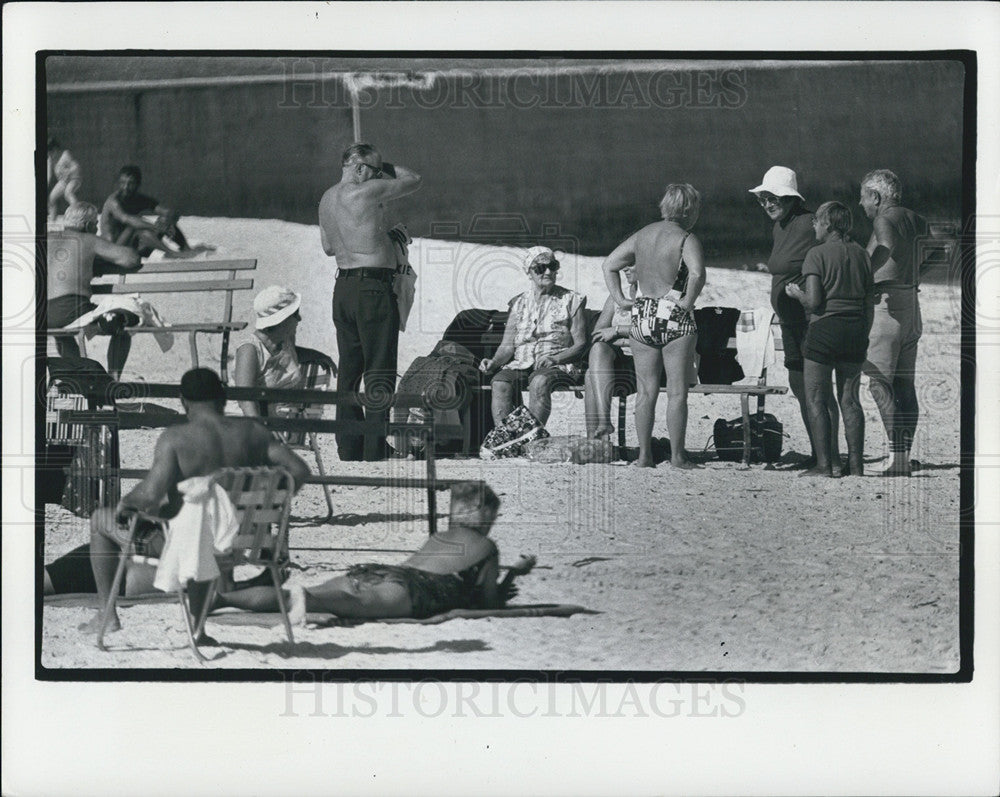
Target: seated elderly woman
[[544, 337], [268, 357], [609, 362], [454, 569]]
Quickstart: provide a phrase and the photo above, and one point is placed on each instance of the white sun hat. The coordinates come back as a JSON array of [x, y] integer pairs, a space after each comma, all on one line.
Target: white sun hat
[[273, 305], [536, 252], [780, 181]]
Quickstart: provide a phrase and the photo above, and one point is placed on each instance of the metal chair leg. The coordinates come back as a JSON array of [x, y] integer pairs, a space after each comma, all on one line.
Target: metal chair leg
[[112, 602], [276, 579], [183, 600], [314, 445]]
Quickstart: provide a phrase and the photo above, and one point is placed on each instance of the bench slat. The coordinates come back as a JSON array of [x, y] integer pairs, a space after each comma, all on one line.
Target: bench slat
[[182, 287]]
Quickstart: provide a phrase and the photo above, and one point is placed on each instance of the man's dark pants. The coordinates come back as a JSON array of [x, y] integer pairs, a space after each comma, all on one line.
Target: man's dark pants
[[366, 317]]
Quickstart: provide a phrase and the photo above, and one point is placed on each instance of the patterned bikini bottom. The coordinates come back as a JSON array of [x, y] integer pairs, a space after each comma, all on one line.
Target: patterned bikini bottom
[[657, 322]]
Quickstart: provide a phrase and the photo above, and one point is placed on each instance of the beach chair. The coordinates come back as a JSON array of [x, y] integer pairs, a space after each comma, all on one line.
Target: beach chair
[[319, 371], [262, 498], [193, 626], [263, 501]]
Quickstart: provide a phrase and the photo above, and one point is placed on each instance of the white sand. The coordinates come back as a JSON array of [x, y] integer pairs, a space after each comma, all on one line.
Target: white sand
[[720, 569]]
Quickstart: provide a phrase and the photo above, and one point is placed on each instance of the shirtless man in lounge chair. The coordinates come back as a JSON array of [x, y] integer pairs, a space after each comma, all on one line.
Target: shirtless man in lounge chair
[[454, 569], [208, 441]]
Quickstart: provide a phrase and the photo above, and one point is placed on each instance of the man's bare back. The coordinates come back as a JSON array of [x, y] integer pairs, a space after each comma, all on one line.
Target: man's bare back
[[352, 213]]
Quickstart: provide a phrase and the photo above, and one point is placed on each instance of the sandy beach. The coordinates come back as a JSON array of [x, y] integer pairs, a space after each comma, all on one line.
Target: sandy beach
[[725, 568]]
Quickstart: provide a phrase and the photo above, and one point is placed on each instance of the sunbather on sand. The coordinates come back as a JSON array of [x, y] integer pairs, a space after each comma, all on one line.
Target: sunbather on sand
[[455, 569]]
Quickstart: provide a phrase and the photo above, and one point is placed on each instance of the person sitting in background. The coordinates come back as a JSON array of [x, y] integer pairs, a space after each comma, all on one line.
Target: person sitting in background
[[456, 568], [544, 337], [123, 222], [670, 275], [70, 255], [838, 294], [609, 361], [207, 441], [63, 168], [268, 358]]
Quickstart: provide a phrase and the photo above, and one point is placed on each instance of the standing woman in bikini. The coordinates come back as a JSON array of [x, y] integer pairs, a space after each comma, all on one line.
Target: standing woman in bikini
[[670, 275]]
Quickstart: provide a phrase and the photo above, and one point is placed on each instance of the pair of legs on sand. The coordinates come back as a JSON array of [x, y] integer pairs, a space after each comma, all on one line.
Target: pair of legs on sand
[[336, 596], [820, 421], [651, 362]]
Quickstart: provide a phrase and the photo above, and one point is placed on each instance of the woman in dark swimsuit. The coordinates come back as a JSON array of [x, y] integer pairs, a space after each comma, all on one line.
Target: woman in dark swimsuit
[[455, 569]]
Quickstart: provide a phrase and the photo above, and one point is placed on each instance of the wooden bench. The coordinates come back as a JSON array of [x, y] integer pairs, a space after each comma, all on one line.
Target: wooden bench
[[760, 389], [133, 282], [119, 420]]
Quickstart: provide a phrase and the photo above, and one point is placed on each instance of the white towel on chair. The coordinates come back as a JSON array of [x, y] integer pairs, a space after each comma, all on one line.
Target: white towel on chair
[[754, 341], [205, 526], [131, 303]]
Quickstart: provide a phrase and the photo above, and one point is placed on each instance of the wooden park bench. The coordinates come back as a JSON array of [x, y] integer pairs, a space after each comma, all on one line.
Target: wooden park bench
[[758, 388], [120, 420], [138, 282]]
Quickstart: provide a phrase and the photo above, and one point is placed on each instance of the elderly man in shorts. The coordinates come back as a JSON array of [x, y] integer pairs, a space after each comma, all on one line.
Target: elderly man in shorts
[[206, 442], [542, 343], [897, 258], [353, 229], [70, 268]]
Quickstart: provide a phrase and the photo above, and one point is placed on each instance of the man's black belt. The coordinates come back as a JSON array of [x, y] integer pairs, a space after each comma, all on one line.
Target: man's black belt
[[384, 274]]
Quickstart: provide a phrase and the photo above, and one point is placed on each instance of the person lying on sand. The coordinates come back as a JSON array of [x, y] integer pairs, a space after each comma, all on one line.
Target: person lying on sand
[[208, 441], [455, 569]]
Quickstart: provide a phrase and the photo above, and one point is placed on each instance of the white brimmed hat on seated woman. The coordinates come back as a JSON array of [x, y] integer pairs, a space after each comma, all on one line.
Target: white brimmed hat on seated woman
[[273, 305], [267, 357]]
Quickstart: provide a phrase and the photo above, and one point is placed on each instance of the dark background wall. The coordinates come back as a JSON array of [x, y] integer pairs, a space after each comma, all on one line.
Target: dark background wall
[[581, 158]]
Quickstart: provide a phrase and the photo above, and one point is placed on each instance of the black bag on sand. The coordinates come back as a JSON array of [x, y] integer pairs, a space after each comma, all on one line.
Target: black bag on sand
[[766, 436]]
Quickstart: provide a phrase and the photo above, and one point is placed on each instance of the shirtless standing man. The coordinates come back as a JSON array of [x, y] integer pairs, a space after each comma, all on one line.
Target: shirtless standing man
[[353, 229], [70, 254], [892, 348], [208, 441]]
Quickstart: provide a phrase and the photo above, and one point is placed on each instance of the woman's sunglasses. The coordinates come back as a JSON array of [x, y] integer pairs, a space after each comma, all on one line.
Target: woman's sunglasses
[[541, 268], [768, 199]]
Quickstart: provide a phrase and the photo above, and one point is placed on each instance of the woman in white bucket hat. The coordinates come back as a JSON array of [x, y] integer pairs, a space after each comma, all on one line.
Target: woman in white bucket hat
[[267, 358], [778, 194]]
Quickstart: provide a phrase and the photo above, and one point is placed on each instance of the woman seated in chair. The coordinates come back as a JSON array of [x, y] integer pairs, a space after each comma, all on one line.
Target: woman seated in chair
[[455, 569], [610, 362], [544, 337], [267, 358]]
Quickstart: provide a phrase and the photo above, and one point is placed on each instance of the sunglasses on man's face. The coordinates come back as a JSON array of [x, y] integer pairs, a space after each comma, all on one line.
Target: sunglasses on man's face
[[377, 169], [768, 199], [541, 268]]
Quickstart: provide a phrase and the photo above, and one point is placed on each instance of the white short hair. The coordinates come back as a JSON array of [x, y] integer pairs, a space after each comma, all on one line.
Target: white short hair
[[884, 183]]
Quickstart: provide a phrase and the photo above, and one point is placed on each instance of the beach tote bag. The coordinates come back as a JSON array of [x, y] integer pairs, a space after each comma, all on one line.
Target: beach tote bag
[[570, 448], [508, 439]]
